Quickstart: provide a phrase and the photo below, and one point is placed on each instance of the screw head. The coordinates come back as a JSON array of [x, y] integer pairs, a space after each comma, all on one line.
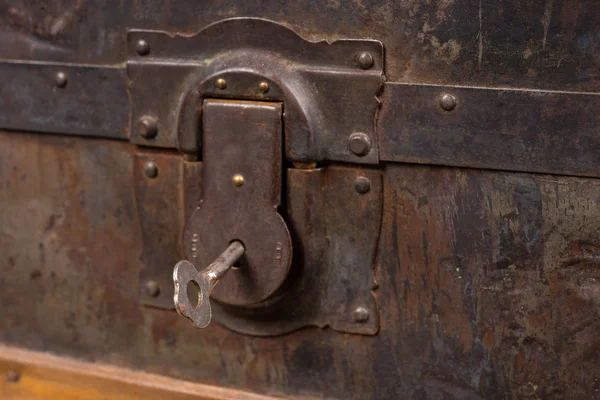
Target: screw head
[[362, 185], [365, 60], [61, 79], [142, 48], [448, 102], [359, 143], [263, 87], [221, 83], [360, 314], [151, 170], [147, 127], [152, 288], [238, 180], [12, 376]]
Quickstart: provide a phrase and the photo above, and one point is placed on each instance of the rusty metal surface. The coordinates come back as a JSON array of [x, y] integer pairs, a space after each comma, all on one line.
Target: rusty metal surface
[[517, 130], [241, 138], [335, 230], [486, 284], [65, 99], [551, 44], [328, 93]]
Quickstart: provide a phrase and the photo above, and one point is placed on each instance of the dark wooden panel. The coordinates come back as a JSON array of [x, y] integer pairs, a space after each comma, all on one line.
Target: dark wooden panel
[[488, 284], [540, 44]]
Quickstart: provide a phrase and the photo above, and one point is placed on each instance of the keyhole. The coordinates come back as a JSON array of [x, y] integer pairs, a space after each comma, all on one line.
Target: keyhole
[[193, 293]]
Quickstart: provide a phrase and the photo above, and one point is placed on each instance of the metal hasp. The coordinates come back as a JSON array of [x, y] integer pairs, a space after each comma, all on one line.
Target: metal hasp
[[240, 105], [185, 273], [242, 156], [329, 89]]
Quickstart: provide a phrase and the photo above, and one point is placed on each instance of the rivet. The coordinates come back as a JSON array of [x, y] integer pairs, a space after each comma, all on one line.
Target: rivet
[[151, 170], [142, 48], [221, 83], [359, 143], [12, 376], [238, 180], [147, 127], [263, 87], [152, 288], [61, 79], [360, 314], [448, 102], [365, 60], [362, 185]]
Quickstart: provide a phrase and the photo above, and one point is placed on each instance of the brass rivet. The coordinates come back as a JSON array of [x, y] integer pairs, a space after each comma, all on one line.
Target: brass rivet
[[221, 83], [263, 87], [238, 180], [61, 79], [447, 102], [151, 170], [142, 48]]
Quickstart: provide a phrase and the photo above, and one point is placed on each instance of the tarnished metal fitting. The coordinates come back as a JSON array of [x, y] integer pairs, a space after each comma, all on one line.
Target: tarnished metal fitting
[[361, 314], [147, 127], [221, 83], [447, 102], [152, 288], [359, 144], [151, 170], [362, 185], [365, 60], [263, 87], [238, 180], [61, 79], [142, 48]]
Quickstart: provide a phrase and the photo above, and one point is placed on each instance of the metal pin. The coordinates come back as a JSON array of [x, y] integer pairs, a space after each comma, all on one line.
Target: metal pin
[[185, 272]]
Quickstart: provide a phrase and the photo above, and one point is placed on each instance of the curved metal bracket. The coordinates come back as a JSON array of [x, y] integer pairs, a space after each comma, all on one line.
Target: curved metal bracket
[[329, 89]]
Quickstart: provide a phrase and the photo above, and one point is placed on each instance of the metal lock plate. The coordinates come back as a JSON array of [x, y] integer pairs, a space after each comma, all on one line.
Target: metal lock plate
[[242, 156], [229, 114]]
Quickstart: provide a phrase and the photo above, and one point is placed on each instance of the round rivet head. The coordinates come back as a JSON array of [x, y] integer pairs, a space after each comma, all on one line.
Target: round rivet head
[[360, 314], [365, 60], [362, 185], [12, 376], [447, 102], [359, 143], [263, 87], [152, 288], [238, 180], [147, 127], [221, 83], [142, 48], [61, 79], [151, 170]]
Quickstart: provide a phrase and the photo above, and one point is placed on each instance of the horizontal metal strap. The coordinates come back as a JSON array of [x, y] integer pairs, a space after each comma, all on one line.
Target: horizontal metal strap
[[506, 129], [64, 99]]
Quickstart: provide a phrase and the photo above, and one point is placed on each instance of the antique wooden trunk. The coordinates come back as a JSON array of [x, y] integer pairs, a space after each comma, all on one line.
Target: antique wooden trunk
[[366, 199]]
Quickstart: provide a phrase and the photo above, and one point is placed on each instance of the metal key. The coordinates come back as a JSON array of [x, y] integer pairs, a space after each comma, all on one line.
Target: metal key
[[184, 272]]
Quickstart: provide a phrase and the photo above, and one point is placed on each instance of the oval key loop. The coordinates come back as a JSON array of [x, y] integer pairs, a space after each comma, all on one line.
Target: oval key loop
[[185, 272]]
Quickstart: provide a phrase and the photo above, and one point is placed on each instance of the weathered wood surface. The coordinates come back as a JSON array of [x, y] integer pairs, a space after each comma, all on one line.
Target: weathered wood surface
[[488, 284], [32, 375]]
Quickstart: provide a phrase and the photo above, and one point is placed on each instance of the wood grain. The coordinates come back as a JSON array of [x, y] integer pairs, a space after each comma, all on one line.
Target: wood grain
[[46, 376]]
